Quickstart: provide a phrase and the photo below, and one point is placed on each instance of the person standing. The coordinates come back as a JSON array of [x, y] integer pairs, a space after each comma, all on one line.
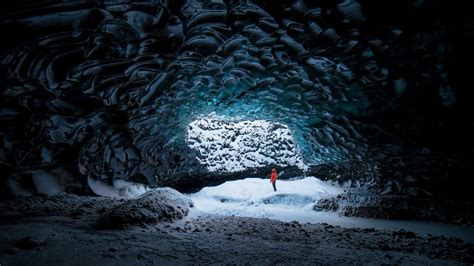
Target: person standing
[[273, 179]]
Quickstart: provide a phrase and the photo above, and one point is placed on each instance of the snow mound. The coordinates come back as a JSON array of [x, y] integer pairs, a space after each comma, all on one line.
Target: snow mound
[[160, 204], [156, 205], [233, 146], [254, 197]]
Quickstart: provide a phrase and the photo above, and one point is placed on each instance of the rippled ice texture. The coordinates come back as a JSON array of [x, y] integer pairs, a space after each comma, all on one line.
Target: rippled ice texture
[[105, 91]]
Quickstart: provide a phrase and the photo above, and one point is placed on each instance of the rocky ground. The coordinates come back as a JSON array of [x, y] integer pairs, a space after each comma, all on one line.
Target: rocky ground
[[69, 235], [360, 203]]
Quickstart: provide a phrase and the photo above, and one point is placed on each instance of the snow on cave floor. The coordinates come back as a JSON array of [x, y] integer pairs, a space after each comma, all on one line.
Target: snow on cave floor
[[293, 201]]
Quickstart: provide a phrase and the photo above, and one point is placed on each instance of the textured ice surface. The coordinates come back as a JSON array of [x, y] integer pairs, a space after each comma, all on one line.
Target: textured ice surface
[[118, 85], [232, 146], [106, 91]]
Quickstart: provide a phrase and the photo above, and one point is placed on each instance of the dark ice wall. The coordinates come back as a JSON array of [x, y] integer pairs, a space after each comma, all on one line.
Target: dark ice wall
[[105, 90]]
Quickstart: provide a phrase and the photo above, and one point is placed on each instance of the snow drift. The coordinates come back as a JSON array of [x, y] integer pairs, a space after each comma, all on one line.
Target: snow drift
[[254, 197]]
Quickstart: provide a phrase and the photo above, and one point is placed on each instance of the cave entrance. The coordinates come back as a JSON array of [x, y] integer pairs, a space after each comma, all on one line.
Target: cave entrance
[[234, 145]]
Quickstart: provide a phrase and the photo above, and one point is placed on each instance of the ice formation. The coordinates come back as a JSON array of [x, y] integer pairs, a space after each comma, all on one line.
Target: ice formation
[[106, 91]]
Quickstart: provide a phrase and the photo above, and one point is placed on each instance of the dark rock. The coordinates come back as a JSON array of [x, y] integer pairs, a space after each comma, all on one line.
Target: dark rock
[[10, 251], [326, 205], [163, 204], [406, 234], [29, 243]]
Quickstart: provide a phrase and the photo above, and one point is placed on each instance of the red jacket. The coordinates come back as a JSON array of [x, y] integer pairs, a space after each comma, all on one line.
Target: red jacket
[[273, 179]]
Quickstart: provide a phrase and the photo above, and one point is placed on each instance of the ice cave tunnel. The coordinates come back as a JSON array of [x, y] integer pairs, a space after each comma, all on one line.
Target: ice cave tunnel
[[101, 99], [161, 120], [112, 97]]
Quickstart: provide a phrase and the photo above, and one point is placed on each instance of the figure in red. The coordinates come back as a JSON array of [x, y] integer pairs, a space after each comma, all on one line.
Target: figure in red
[[273, 178]]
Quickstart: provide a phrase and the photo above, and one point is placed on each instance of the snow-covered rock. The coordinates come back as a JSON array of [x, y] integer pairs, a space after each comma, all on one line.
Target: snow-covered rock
[[226, 145], [161, 204]]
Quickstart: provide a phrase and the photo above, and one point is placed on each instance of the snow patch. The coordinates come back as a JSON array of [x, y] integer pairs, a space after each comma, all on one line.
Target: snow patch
[[254, 197], [233, 146], [120, 188]]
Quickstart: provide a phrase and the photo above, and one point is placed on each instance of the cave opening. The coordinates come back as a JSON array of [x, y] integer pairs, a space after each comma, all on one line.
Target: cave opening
[[227, 144]]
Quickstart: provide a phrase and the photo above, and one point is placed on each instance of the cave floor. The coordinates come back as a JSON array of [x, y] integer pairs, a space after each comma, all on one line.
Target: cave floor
[[204, 238]]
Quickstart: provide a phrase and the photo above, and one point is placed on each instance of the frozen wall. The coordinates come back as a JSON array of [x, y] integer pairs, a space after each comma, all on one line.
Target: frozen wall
[[105, 91]]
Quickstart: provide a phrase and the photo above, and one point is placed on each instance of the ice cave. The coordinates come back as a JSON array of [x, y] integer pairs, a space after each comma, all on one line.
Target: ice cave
[[176, 132]]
